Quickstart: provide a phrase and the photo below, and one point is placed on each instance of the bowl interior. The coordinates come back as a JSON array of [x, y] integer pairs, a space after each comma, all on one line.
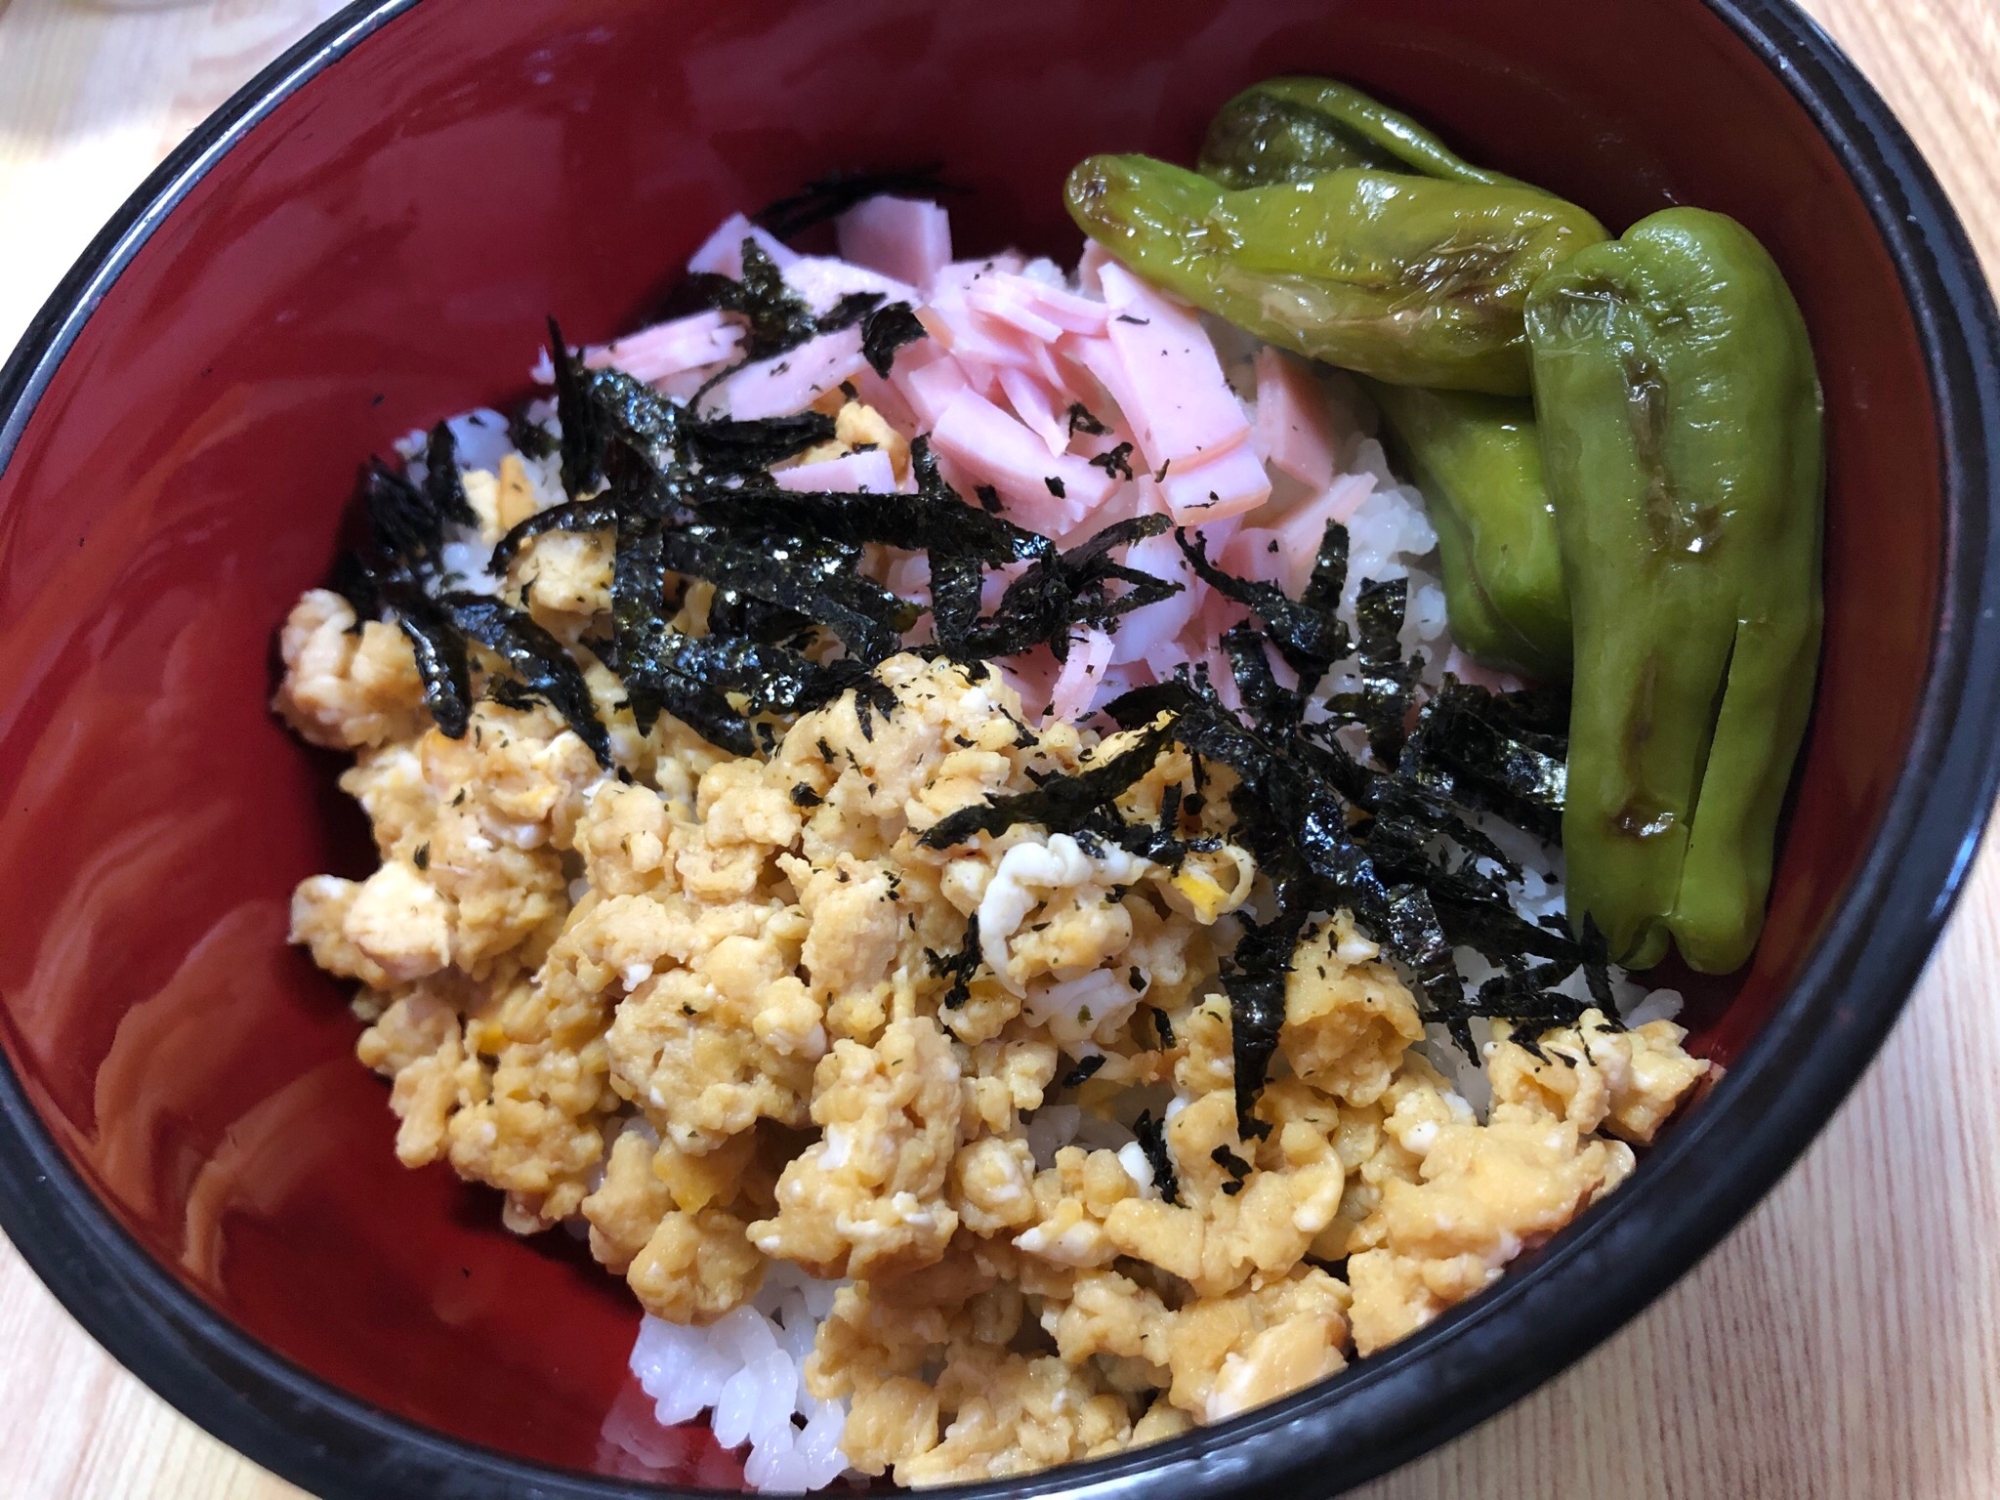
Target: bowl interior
[[380, 253]]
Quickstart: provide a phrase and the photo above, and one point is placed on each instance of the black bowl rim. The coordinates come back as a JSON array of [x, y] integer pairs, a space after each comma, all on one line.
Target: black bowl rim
[[1485, 1354]]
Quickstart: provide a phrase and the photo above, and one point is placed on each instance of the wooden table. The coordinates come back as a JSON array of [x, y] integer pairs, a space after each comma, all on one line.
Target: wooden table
[[1844, 1344]]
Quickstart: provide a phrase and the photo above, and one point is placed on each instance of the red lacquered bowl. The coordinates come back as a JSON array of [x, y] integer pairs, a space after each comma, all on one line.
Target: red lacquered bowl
[[367, 239]]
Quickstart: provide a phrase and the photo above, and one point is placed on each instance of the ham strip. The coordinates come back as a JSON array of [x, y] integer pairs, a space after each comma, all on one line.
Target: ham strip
[[902, 238]]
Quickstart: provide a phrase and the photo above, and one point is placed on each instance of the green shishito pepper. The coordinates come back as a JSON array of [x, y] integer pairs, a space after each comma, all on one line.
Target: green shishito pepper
[[1681, 430], [1296, 129], [1479, 461], [1408, 279]]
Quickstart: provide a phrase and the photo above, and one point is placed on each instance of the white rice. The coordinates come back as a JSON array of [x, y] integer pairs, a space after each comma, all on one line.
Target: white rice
[[748, 1369]]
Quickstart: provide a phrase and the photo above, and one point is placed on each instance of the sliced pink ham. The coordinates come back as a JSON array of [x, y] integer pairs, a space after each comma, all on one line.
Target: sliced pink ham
[[1122, 677], [721, 254], [1180, 408], [1145, 631], [1283, 551], [1292, 432], [1096, 357], [993, 448], [995, 298], [929, 384], [1032, 676], [900, 237], [653, 354], [792, 381], [1226, 486], [822, 281], [869, 470], [949, 320], [1090, 266], [962, 275], [1036, 407], [1035, 307], [1076, 685]]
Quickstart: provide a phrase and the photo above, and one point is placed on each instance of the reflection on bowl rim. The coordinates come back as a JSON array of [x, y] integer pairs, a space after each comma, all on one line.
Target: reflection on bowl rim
[[1469, 1363]]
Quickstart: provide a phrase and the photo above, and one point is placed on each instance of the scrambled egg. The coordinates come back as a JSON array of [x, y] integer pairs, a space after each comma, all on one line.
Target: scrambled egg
[[701, 1007]]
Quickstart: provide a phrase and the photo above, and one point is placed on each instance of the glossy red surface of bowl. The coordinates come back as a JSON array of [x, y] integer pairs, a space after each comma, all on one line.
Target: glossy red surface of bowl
[[376, 247]]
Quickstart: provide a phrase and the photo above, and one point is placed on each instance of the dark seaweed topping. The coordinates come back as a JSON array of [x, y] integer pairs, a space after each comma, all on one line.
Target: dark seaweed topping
[[793, 624], [408, 531], [1382, 703], [1063, 591], [1254, 980], [542, 667], [444, 486], [731, 447], [1152, 1136], [776, 318], [1391, 845], [1055, 486], [1496, 754], [1305, 631], [886, 330], [1080, 420], [1086, 1068], [989, 498], [817, 578], [959, 967], [1118, 462], [440, 649], [583, 431], [422, 858], [1080, 802], [1163, 1025], [530, 436], [831, 196], [805, 796], [1230, 1162], [571, 515]]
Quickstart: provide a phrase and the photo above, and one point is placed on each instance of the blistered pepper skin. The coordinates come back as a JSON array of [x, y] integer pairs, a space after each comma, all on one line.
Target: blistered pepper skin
[[1681, 431], [1479, 461], [1296, 129], [1409, 279]]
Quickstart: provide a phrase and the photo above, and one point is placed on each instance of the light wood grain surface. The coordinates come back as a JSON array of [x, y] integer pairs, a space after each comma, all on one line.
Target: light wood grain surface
[[1844, 1344]]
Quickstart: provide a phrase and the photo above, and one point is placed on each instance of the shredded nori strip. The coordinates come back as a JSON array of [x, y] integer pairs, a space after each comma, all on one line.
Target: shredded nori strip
[[1152, 1136], [960, 966], [444, 486], [1086, 1068], [1163, 1025], [530, 436], [1069, 804], [1307, 635], [440, 649], [1117, 463], [1062, 591], [1230, 1162], [542, 666], [831, 196], [731, 447], [1254, 981], [776, 318], [887, 329], [1080, 420], [1382, 703], [583, 427], [407, 529]]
